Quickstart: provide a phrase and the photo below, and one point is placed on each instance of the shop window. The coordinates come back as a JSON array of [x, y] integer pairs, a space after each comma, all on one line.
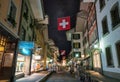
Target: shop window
[[109, 56], [115, 15], [102, 4], [118, 51], [105, 25], [76, 45], [2, 40], [12, 14]]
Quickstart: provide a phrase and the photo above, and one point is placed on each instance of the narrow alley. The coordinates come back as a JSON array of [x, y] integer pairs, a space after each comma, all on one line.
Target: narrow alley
[[59, 41]]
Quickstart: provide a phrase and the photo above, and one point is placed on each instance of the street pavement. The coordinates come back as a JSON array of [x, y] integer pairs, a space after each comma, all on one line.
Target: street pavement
[[101, 78], [62, 77], [35, 77]]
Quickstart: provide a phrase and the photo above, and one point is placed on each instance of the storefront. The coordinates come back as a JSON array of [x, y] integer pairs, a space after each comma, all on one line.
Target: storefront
[[8, 43], [24, 59], [23, 65], [37, 64]]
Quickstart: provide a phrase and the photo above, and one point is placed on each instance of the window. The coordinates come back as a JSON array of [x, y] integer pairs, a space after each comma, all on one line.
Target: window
[[104, 25], [76, 45], [118, 51], [31, 23], [102, 4], [115, 15], [12, 14], [30, 39], [25, 12], [23, 33], [84, 41], [76, 36], [77, 54], [109, 56]]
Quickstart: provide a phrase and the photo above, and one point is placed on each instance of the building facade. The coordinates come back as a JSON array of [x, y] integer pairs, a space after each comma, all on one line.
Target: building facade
[[77, 44], [9, 25], [108, 19], [93, 38], [26, 34]]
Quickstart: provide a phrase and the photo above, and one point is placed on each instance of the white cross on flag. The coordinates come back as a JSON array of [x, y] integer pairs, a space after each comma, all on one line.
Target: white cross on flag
[[64, 23], [63, 52]]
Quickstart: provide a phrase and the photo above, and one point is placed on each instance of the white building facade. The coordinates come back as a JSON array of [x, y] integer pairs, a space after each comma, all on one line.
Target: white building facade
[[108, 20]]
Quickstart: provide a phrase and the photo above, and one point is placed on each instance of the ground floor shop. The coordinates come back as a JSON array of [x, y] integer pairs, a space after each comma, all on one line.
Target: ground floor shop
[[8, 46], [23, 65], [36, 65]]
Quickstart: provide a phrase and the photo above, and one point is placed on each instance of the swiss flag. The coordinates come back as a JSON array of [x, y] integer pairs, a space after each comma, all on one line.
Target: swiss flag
[[64, 23]]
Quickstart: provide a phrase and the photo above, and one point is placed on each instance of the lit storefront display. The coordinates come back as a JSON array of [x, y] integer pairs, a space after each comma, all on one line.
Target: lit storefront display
[[20, 63], [24, 57], [36, 63]]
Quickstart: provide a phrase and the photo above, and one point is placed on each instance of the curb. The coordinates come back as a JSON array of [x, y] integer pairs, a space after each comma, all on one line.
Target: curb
[[44, 78]]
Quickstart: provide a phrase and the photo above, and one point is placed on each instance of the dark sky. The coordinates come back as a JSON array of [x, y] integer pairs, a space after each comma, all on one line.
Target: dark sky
[[56, 9]]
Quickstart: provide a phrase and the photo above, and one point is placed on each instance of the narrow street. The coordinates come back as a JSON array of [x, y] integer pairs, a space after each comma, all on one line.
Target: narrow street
[[62, 77]]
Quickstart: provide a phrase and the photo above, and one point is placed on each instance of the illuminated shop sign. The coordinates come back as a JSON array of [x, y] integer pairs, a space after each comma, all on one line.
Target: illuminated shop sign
[[25, 44], [25, 51], [37, 57]]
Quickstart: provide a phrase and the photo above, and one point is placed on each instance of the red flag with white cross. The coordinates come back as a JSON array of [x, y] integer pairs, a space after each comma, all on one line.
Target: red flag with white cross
[[64, 23]]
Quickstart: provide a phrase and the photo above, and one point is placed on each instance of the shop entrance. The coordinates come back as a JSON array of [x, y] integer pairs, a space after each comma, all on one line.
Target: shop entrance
[[7, 53]]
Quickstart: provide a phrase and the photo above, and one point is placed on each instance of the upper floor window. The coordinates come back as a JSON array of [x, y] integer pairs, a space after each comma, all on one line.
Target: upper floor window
[[76, 45], [23, 33], [115, 15], [105, 25], [30, 38], [25, 14], [76, 36], [12, 14], [84, 41], [102, 4]]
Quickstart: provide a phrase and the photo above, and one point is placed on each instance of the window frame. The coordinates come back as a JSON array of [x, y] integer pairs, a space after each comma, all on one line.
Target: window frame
[[105, 28], [12, 14], [103, 4], [109, 56], [118, 59], [76, 36], [114, 23]]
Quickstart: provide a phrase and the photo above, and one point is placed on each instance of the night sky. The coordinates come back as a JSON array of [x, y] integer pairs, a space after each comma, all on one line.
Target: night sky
[[56, 9]]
